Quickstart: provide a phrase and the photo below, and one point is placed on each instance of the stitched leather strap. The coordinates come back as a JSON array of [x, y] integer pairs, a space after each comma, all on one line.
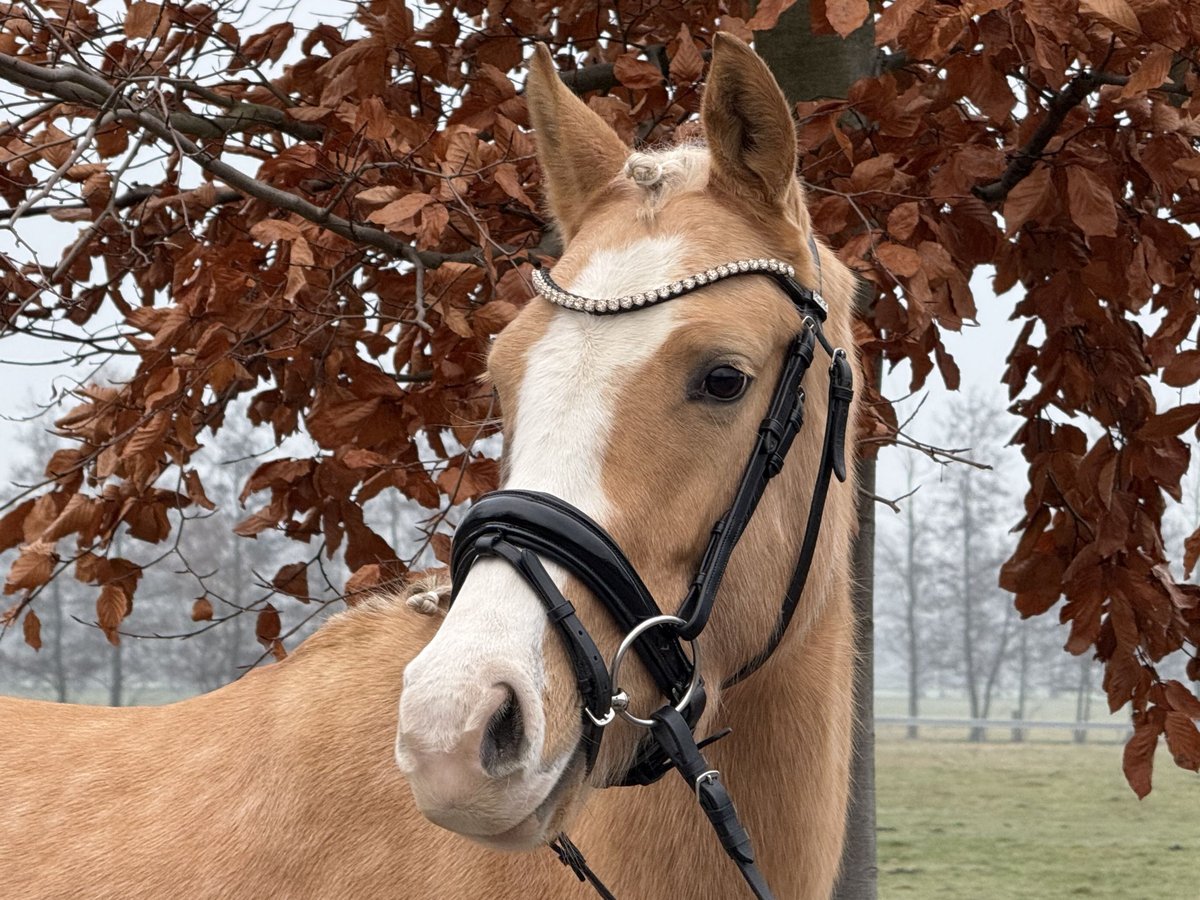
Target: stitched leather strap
[[833, 462], [591, 673], [554, 529], [778, 429]]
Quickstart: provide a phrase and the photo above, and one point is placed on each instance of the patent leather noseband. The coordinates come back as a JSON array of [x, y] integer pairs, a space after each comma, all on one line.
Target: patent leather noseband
[[524, 527]]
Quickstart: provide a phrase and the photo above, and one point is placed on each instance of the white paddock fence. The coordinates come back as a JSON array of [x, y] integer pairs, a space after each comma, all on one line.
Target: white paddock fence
[[1012, 729]]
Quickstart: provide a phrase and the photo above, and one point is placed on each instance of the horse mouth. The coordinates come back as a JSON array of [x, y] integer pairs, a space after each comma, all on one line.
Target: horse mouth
[[544, 822]]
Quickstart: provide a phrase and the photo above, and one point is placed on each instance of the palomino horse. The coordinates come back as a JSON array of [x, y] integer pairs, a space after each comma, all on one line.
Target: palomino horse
[[298, 781]]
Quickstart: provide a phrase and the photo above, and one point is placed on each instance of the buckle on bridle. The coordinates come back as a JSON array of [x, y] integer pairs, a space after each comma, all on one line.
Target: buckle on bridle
[[710, 777]]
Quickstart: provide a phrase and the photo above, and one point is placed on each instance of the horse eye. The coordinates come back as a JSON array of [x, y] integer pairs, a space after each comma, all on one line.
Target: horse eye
[[725, 383]]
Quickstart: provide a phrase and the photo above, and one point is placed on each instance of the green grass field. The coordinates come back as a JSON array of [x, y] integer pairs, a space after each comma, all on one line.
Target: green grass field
[[1040, 821]]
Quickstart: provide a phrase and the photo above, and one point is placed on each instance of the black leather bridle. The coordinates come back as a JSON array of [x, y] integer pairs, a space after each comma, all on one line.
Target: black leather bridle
[[525, 527]]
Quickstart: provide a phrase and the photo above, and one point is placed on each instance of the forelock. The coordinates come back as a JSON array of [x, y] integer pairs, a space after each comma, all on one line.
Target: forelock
[[663, 173]]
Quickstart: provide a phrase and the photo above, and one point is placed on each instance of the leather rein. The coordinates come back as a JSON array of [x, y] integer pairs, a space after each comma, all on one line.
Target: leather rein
[[524, 527]]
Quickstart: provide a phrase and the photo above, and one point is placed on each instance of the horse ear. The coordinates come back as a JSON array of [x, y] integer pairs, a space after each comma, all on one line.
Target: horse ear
[[579, 152], [747, 124]]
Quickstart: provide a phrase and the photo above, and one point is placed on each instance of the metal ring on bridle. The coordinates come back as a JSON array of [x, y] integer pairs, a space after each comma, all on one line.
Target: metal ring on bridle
[[621, 706]]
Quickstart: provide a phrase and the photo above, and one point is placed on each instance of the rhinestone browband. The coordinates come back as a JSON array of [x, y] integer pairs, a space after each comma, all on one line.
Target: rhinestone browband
[[546, 287]]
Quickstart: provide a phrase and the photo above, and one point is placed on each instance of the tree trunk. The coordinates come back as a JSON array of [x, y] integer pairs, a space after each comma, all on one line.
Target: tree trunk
[[59, 664], [966, 585], [1083, 699], [910, 612], [998, 659], [116, 676], [812, 66], [1022, 684], [859, 875]]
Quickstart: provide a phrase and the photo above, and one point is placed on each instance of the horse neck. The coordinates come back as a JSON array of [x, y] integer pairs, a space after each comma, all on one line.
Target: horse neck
[[334, 701], [788, 767], [318, 730]]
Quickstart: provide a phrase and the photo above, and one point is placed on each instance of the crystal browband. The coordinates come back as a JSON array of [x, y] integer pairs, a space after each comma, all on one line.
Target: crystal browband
[[781, 271]]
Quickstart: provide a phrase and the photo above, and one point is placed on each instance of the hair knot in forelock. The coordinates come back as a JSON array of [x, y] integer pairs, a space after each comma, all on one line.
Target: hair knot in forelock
[[644, 170]]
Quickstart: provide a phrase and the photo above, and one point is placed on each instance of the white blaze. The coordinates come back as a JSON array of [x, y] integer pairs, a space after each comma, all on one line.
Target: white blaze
[[564, 414]]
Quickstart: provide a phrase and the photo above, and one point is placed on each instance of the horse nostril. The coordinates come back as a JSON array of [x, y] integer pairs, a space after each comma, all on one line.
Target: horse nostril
[[504, 734]]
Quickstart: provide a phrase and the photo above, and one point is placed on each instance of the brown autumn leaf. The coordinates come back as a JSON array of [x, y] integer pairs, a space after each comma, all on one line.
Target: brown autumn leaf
[[363, 581], [1172, 422], [373, 119], [195, 490], [874, 173], [32, 568], [442, 545], [1182, 699], [141, 19], [112, 606], [1152, 73], [71, 214], [31, 627], [292, 579], [846, 16], [898, 259], [1183, 740], [267, 625], [268, 230], [902, 221], [202, 610], [1026, 199], [383, 193], [1183, 370], [493, 317], [767, 13], [400, 212], [78, 515], [506, 176], [1090, 202], [1114, 13], [1191, 554], [12, 525], [269, 44], [1138, 763], [687, 65], [637, 73]]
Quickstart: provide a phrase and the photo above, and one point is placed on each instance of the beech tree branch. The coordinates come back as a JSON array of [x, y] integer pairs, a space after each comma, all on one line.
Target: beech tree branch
[[74, 85], [1027, 157], [600, 76], [132, 197]]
